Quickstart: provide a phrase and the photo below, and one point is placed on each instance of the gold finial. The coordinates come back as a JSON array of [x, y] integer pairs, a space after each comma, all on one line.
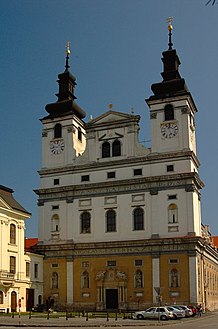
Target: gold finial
[[170, 27], [110, 106], [68, 48], [169, 21]]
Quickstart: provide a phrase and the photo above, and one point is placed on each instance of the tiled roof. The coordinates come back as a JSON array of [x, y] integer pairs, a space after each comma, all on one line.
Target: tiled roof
[[30, 242], [7, 195]]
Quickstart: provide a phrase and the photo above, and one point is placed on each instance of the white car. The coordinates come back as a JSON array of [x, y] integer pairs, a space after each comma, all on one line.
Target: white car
[[188, 311], [161, 313], [177, 313]]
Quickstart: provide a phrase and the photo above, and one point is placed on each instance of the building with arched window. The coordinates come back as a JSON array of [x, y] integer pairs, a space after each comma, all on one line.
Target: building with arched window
[[119, 221], [16, 279]]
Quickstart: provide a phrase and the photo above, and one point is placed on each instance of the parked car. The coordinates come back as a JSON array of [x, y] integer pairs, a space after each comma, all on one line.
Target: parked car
[[161, 313], [177, 313], [188, 311]]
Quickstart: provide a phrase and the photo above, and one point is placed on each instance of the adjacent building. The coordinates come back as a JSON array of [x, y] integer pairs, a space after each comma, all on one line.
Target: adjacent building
[[120, 224], [19, 288]]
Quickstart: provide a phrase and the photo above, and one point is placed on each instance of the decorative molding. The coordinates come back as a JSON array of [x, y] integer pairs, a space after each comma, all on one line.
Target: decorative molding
[[153, 115]]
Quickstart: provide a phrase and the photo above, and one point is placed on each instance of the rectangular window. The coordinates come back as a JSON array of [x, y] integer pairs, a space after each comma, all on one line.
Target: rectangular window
[[111, 263], [12, 264], [56, 181], [27, 269], [36, 271], [137, 172], [173, 261], [55, 265], [55, 207], [172, 197], [138, 262], [85, 264], [111, 174], [170, 168], [85, 178]]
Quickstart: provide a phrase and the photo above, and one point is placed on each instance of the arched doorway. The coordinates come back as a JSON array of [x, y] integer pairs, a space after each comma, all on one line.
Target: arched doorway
[[13, 301]]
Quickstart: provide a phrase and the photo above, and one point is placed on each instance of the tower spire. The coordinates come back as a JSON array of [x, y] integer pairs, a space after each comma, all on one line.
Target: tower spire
[[170, 28], [67, 56]]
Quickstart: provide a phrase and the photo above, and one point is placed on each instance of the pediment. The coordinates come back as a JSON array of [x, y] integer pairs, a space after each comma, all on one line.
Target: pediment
[[4, 204], [112, 116]]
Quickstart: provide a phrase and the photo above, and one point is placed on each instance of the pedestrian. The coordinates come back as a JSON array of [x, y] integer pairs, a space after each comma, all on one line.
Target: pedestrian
[[199, 310]]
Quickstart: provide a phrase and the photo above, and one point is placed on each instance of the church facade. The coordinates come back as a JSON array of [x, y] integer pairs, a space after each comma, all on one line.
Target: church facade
[[120, 224]]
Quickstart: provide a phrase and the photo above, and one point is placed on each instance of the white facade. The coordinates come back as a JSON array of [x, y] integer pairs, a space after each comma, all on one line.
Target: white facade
[[14, 281]]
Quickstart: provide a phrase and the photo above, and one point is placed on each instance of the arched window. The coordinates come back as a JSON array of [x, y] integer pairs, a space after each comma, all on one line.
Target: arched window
[[57, 130], [116, 148], [138, 219], [79, 134], [168, 112], [54, 280], [85, 219], [1, 297], [111, 221], [172, 213], [12, 234], [55, 223], [138, 282], [106, 150], [85, 279], [174, 278]]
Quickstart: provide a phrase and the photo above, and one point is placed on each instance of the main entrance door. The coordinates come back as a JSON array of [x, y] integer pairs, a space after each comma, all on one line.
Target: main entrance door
[[13, 301], [111, 299]]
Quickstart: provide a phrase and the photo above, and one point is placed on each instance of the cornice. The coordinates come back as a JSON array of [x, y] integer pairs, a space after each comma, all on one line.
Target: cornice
[[152, 247], [149, 159], [188, 181]]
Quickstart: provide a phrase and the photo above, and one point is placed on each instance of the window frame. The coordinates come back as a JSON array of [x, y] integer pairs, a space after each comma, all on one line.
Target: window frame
[[138, 219]]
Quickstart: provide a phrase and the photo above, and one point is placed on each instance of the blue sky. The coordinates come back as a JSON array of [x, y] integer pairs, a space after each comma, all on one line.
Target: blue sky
[[116, 48]]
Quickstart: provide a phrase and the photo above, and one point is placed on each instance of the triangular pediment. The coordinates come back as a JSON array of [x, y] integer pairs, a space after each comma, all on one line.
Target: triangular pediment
[[4, 204], [112, 116]]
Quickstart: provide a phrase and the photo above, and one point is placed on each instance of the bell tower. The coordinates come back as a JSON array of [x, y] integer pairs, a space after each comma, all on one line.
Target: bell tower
[[63, 133], [172, 108]]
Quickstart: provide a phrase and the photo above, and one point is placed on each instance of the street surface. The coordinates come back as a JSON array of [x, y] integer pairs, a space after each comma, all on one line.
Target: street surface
[[207, 321]]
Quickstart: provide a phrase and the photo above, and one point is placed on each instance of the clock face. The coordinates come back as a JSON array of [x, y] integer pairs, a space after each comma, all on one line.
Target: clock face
[[57, 146], [169, 130]]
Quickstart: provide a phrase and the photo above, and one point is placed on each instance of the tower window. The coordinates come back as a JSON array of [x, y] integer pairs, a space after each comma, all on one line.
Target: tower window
[[172, 214], [56, 181], [137, 172], [106, 150], [58, 131], [111, 221], [170, 168], [138, 219], [85, 178], [79, 134], [168, 112], [85, 219], [116, 148], [111, 174]]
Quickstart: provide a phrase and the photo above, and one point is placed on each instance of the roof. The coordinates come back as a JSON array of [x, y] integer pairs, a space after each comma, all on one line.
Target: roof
[[6, 194], [29, 243], [215, 240]]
